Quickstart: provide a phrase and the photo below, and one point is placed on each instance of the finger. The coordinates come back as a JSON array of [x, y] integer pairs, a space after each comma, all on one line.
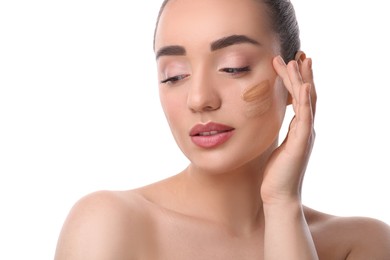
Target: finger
[[281, 69], [307, 76], [306, 71], [304, 117], [295, 78]]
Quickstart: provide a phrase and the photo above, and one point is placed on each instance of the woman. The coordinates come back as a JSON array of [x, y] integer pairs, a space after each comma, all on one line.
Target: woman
[[224, 88]]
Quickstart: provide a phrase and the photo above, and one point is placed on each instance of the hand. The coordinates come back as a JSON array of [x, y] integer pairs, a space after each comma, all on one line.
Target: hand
[[283, 175]]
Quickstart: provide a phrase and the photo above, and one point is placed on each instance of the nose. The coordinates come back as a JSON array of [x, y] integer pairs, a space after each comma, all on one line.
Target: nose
[[203, 96]]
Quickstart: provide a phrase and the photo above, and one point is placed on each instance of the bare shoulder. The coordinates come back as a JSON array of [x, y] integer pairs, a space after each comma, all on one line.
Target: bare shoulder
[[104, 225], [370, 238], [349, 237]]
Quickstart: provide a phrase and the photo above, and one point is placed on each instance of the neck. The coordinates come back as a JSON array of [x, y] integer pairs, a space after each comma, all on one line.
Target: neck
[[231, 199]]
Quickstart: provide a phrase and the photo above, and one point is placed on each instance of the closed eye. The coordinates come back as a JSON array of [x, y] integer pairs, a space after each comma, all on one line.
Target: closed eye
[[174, 79], [236, 71]]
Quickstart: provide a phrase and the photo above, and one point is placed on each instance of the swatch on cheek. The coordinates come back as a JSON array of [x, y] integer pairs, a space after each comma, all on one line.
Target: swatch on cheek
[[258, 98]]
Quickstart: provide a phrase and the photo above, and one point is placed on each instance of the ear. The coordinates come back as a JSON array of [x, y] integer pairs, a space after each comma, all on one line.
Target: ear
[[300, 56]]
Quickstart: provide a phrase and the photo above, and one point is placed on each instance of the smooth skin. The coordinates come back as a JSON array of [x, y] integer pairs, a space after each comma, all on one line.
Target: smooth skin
[[239, 200]]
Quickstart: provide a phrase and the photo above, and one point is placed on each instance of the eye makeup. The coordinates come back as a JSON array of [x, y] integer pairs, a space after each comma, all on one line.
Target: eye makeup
[[258, 98], [174, 79], [172, 72], [236, 71]]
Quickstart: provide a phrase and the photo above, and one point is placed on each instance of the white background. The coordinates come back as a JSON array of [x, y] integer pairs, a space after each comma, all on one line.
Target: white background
[[79, 110]]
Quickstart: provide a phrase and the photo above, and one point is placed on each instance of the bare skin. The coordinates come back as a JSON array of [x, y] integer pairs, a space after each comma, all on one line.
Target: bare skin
[[135, 225], [237, 200]]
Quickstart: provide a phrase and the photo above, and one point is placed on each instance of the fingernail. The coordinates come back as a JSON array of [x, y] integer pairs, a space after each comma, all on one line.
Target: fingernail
[[281, 61]]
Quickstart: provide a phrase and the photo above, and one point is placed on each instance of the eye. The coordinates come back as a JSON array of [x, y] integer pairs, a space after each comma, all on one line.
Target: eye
[[174, 79], [236, 71]]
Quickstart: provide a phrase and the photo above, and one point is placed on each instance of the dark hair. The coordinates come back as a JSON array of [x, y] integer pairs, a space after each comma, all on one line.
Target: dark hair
[[285, 25], [283, 20]]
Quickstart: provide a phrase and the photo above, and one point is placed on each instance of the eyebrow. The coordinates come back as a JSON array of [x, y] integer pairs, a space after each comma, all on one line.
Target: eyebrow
[[177, 50], [231, 40], [172, 50]]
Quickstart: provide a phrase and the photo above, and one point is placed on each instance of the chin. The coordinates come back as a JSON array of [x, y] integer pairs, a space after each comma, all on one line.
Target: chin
[[235, 155], [222, 162]]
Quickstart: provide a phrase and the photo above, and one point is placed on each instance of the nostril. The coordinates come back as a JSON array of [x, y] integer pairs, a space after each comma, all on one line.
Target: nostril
[[203, 97], [208, 108]]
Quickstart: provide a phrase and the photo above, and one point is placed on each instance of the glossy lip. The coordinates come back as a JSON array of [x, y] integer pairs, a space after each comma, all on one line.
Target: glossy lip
[[211, 134]]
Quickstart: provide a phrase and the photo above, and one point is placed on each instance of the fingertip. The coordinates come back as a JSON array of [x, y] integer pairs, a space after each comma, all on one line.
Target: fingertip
[[294, 67], [307, 72], [280, 61], [279, 66], [292, 64]]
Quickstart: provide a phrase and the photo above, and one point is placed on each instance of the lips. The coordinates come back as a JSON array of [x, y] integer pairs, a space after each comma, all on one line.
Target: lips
[[211, 134]]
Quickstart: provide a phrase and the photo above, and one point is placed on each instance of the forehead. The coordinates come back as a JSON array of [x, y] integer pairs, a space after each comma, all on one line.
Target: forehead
[[189, 22]]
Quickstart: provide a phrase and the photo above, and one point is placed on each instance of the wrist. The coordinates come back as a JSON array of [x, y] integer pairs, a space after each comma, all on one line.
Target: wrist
[[292, 206], [281, 199]]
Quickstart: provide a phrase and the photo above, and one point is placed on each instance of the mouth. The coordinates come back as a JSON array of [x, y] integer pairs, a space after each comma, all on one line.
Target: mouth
[[211, 134], [210, 128]]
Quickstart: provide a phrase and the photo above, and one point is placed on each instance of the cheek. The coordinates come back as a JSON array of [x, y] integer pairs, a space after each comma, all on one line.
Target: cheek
[[264, 105], [258, 99], [171, 106], [268, 96]]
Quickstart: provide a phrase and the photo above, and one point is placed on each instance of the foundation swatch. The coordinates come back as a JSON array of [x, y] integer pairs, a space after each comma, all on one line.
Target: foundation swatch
[[259, 98]]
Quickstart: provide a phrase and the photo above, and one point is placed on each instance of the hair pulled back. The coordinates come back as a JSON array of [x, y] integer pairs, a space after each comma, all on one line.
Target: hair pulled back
[[284, 22]]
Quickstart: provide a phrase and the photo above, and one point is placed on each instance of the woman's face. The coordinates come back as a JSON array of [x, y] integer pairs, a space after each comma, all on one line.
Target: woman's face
[[220, 94]]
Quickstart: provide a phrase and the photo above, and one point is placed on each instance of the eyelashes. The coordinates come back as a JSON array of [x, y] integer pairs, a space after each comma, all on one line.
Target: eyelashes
[[174, 79], [234, 72]]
